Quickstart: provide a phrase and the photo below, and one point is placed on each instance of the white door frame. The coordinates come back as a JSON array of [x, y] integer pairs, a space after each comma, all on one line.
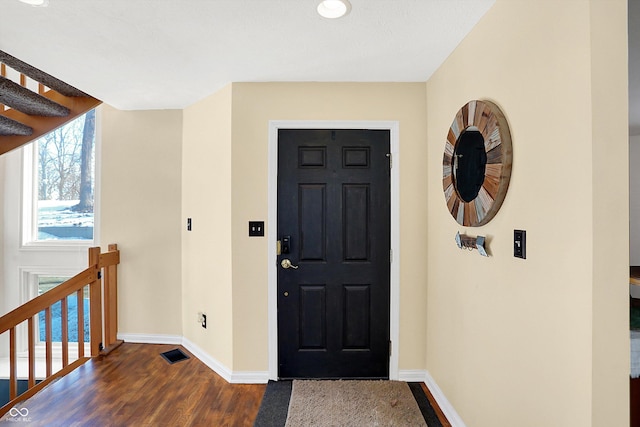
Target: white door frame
[[272, 226]]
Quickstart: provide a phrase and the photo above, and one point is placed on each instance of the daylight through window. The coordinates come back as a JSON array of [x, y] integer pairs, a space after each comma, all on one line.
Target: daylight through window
[[63, 172], [46, 283]]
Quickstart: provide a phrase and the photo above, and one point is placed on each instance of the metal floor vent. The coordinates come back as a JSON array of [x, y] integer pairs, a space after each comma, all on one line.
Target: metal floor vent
[[173, 356]]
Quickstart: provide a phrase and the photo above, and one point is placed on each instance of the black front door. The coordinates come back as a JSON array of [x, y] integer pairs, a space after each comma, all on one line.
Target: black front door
[[334, 266]]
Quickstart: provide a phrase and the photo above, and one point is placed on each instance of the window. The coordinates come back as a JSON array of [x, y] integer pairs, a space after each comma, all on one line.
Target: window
[[59, 177], [37, 281], [33, 260], [46, 283]]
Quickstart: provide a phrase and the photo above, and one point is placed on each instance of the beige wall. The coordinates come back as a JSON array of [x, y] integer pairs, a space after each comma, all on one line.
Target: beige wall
[[610, 145], [140, 211], [523, 342], [253, 106], [246, 188], [206, 250], [545, 337]]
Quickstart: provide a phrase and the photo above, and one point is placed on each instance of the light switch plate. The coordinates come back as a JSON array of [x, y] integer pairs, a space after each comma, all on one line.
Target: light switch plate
[[256, 228], [520, 244]]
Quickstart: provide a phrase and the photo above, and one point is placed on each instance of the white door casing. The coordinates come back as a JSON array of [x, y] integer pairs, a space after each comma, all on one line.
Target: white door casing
[[394, 327]]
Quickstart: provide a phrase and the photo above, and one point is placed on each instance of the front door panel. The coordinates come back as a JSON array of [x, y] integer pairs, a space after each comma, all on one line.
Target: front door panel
[[333, 299]]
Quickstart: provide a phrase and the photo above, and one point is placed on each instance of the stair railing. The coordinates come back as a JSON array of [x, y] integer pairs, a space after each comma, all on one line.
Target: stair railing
[[101, 278]]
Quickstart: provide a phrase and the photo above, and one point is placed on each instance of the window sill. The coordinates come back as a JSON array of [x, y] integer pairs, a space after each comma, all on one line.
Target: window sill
[[58, 246]]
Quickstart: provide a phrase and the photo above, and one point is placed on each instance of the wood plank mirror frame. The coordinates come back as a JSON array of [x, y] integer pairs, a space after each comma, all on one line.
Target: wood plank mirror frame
[[475, 180]]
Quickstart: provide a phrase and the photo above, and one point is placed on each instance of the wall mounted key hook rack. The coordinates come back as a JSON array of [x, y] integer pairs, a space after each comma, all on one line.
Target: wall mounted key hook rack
[[471, 243]]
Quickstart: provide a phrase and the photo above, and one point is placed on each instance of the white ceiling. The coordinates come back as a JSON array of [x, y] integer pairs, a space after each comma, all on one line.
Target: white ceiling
[[161, 54]]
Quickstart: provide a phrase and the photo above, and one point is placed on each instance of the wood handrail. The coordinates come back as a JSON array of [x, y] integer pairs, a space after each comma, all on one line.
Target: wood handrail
[[99, 320], [36, 305], [77, 282]]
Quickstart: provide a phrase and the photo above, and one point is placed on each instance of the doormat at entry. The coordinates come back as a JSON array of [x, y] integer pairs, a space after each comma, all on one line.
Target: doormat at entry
[[276, 400]]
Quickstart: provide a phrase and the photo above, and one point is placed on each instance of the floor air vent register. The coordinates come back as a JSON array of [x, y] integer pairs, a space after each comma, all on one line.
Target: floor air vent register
[[173, 356]]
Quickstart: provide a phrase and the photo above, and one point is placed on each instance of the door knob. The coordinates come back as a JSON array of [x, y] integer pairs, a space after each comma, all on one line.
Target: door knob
[[287, 264]]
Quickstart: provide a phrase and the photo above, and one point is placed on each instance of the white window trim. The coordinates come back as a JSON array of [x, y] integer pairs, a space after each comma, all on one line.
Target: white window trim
[[29, 215]]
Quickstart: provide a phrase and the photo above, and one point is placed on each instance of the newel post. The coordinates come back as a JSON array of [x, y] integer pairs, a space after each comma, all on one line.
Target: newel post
[[111, 300], [95, 299]]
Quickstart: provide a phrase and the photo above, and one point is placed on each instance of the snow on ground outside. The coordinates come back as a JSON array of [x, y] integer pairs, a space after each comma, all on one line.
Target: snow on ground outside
[[58, 213]]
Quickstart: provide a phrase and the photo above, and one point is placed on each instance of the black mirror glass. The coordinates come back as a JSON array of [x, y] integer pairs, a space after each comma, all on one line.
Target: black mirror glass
[[469, 163]]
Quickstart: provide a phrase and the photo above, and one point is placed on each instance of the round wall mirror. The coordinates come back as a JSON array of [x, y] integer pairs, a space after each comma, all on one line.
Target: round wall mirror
[[469, 163], [477, 163]]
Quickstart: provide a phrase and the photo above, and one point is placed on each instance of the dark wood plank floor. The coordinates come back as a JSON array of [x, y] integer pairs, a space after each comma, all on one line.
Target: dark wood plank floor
[[135, 386]]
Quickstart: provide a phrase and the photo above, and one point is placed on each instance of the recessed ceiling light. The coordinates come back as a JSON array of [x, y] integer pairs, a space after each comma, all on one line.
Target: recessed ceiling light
[[41, 3], [333, 9]]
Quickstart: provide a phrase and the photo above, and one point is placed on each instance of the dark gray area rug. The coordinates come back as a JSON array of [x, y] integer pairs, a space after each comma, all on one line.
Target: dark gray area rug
[[424, 404], [275, 405]]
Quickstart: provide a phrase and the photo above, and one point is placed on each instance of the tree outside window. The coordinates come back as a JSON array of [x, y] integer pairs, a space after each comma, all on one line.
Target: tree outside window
[[65, 181]]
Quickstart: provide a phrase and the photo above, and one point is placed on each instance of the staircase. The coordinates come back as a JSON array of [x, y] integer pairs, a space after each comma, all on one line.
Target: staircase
[[38, 366], [34, 103]]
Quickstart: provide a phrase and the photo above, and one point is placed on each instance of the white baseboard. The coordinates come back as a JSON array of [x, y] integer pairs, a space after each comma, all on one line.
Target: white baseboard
[[445, 405], [250, 377], [211, 362], [151, 339], [412, 376], [241, 377], [420, 375]]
